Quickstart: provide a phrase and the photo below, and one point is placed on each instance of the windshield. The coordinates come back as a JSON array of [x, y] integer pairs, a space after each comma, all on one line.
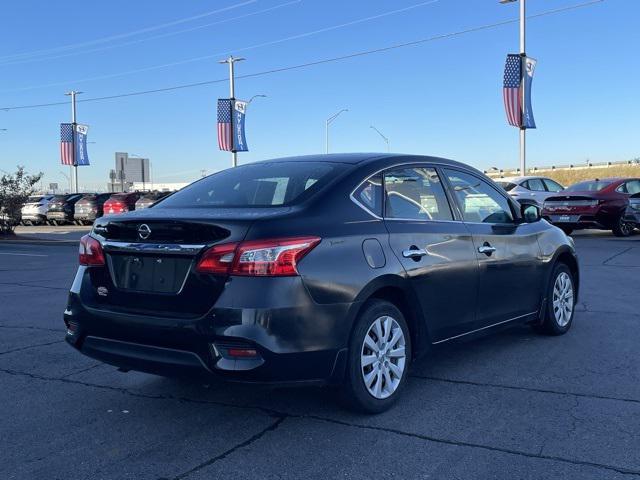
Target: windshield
[[261, 184], [507, 185], [590, 186]]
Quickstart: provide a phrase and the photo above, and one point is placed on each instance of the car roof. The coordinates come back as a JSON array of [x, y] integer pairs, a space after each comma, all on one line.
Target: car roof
[[519, 179], [363, 158]]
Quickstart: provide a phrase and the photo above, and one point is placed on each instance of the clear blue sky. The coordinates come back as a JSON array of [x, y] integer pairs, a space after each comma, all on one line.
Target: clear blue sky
[[440, 98]]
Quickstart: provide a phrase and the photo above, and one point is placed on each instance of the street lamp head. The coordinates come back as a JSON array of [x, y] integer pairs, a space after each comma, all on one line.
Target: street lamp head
[[231, 59], [508, 1]]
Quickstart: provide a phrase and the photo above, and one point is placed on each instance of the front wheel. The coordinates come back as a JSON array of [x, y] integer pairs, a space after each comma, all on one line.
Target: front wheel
[[379, 358], [622, 228], [561, 300]]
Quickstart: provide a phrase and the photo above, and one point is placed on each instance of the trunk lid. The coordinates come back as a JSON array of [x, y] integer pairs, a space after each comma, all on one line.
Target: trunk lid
[[151, 257]]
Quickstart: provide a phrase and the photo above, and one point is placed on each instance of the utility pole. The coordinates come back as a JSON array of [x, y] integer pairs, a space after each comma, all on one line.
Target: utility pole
[[231, 60], [74, 167], [523, 55], [384, 138], [328, 122]]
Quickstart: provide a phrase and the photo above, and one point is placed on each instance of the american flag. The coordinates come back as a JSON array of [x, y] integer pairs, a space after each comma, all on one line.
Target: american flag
[[511, 91], [66, 143], [225, 138]]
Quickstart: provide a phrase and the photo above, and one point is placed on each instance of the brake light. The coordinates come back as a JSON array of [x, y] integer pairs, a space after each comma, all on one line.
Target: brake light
[[90, 251], [218, 259], [258, 258], [117, 207]]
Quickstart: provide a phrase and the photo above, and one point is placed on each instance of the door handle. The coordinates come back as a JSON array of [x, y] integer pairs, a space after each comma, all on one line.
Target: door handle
[[414, 253], [487, 249]]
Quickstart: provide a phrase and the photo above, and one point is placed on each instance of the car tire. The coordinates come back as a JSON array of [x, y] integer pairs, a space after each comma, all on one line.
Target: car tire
[[622, 228], [567, 230], [374, 380], [561, 302]]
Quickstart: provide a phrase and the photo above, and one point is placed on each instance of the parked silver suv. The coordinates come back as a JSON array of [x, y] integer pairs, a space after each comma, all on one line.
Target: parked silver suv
[[531, 188]]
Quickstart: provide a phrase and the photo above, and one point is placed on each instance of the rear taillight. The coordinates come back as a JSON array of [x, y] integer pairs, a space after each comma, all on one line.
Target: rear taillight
[[218, 259], [117, 207], [91, 253], [260, 258]]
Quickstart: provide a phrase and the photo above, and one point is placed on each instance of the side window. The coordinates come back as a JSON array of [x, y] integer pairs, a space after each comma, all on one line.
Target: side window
[[536, 185], [369, 194], [525, 184], [553, 186], [479, 201], [633, 186], [415, 194]]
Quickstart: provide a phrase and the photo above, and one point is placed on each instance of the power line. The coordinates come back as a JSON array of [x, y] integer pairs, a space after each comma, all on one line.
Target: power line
[[226, 52], [154, 37], [128, 34], [316, 62]]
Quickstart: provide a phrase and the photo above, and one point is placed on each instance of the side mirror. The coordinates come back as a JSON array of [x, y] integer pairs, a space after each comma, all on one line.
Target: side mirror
[[530, 213]]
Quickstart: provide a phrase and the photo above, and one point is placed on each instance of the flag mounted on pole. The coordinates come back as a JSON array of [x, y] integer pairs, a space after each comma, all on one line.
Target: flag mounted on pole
[[73, 144], [225, 137], [518, 74], [66, 143], [81, 155], [239, 139]]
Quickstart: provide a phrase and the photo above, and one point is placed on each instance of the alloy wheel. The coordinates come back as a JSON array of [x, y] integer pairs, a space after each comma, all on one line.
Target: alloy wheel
[[383, 357], [563, 299]]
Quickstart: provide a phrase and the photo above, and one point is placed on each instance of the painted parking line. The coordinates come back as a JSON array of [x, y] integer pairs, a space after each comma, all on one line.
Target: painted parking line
[[23, 254]]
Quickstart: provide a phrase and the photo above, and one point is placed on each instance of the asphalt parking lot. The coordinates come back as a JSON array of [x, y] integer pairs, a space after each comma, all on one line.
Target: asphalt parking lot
[[511, 406]]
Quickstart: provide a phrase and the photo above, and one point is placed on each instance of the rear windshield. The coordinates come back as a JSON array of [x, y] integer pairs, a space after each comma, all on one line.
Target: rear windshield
[[255, 185], [591, 186], [507, 185], [35, 198]]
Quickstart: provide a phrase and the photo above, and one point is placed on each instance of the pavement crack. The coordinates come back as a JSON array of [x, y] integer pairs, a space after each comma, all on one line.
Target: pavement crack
[[273, 426], [32, 286], [604, 262], [525, 389], [30, 346], [29, 327], [281, 416], [82, 370]]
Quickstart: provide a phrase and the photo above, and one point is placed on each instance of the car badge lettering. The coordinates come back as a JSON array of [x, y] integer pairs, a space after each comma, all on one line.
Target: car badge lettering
[[102, 291], [144, 231]]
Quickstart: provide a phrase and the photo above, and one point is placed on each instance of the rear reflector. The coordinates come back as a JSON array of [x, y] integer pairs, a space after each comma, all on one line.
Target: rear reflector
[[90, 252], [257, 258], [242, 352]]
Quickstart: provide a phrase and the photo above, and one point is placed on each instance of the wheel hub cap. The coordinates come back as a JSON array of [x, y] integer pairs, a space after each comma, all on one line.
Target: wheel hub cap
[[383, 357], [563, 299]]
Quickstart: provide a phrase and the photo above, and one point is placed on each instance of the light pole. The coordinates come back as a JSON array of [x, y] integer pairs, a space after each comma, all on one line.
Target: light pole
[[74, 168], [231, 60], [327, 123], [523, 130], [256, 96], [383, 137]]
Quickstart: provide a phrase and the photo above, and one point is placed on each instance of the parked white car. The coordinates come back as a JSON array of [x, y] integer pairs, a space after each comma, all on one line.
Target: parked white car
[[530, 187], [35, 210]]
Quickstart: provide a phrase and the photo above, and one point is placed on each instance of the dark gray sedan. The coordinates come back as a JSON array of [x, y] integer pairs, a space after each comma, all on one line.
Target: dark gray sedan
[[332, 269]]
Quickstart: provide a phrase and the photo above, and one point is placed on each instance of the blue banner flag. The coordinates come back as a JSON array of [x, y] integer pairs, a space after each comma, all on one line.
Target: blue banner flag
[[529, 65], [81, 154], [239, 139]]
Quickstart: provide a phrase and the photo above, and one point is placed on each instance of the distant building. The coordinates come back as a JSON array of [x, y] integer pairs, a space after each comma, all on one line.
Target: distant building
[[129, 170]]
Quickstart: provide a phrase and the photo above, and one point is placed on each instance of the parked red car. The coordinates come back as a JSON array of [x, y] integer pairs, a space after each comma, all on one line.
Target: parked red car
[[120, 203], [599, 203]]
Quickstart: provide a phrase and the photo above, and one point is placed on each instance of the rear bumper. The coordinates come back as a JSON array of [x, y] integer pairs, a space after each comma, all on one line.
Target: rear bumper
[[297, 342], [85, 216], [34, 217], [577, 221], [59, 216]]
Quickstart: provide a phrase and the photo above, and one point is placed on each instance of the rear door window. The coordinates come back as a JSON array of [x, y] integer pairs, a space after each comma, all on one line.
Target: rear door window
[[415, 194], [553, 186], [536, 185]]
